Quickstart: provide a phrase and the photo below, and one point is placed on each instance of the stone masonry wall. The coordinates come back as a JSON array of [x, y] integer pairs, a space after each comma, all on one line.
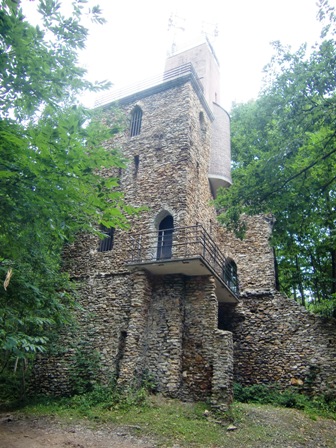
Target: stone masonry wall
[[105, 300], [132, 362], [172, 176], [253, 255], [137, 323], [207, 368], [222, 379], [182, 333], [103, 320], [164, 333], [275, 339], [278, 341], [200, 324]]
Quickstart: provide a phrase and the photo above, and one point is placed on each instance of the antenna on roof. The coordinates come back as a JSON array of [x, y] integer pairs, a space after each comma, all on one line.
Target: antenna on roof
[[175, 23], [210, 30]]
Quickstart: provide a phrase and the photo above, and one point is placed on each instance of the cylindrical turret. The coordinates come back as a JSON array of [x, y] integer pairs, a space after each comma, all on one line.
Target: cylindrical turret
[[220, 153]]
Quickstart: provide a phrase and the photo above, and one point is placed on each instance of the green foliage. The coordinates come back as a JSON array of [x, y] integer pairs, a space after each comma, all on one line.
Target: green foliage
[[262, 394], [284, 160], [325, 307], [84, 371], [148, 383], [39, 64], [51, 160], [11, 384], [257, 393], [101, 398], [107, 397]]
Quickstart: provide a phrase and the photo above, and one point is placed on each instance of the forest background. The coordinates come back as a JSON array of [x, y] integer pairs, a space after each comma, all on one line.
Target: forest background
[[283, 156]]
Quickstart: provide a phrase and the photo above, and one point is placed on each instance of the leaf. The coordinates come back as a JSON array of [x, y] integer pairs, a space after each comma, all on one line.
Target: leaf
[[284, 160]]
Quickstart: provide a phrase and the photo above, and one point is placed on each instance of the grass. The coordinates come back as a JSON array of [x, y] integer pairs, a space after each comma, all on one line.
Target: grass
[[162, 418], [172, 422]]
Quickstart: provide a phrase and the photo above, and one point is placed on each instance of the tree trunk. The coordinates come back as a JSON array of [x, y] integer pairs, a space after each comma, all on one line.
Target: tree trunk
[[276, 271], [333, 271], [299, 282]]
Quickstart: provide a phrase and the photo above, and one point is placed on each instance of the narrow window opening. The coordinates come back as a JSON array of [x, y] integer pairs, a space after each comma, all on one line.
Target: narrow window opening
[[202, 123], [136, 165], [106, 243], [119, 176], [136, 120]]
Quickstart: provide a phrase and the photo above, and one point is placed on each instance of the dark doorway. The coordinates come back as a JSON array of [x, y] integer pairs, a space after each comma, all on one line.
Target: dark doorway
[[165, 238], [106, 244]]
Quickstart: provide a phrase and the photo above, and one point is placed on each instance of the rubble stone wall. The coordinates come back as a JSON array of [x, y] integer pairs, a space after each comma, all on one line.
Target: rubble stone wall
[[200, 324], [165, 333], [102, 322], [253, 254], [278, 341], [222, 378], [132, 359]]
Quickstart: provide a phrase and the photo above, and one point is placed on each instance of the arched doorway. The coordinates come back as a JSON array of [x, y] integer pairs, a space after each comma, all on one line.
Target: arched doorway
[[165, 238]]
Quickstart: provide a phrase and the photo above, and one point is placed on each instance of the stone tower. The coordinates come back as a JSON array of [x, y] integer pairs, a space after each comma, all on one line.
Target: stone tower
[[164, 298], [206, 65]]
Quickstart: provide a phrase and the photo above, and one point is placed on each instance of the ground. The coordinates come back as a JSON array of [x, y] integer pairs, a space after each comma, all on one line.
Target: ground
[[256, 427], [52, 433]]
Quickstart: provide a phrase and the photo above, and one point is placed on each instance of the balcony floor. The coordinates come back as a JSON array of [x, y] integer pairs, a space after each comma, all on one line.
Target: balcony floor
[[193, 266]]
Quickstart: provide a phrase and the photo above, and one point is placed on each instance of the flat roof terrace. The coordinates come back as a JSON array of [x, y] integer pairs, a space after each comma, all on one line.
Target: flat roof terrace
[[164, 81]]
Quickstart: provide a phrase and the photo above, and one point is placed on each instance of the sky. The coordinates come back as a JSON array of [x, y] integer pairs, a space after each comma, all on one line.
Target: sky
[[136, 39]]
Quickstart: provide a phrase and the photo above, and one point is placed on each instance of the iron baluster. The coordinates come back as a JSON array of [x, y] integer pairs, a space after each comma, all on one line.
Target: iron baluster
[[139, 249]]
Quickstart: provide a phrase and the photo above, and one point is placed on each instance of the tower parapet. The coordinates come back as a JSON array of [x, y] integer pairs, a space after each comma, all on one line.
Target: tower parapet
[[206, 65]]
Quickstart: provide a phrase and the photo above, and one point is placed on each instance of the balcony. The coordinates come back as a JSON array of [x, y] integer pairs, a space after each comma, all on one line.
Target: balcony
[[185, 250]]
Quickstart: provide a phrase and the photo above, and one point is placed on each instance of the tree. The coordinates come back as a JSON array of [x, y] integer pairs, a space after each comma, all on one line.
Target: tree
[[284, 158], [51, 151]]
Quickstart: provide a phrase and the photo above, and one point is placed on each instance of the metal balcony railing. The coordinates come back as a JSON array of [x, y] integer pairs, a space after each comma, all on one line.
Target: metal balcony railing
[[183, 243]]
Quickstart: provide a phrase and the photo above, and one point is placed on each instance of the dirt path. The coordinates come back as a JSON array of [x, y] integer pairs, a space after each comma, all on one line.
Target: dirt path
[[50, 433], [257, 427]]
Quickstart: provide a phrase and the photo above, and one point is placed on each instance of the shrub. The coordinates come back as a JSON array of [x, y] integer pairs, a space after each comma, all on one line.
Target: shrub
[[274, 395]]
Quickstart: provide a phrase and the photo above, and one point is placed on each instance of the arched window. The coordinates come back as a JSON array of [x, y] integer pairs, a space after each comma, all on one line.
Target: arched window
[[230, 275], [136, 119], [165, 238], [136, 165], [106, 243]]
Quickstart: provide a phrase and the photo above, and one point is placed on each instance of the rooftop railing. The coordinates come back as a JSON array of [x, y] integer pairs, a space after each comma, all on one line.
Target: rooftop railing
[[169, 75], [178, 244]]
